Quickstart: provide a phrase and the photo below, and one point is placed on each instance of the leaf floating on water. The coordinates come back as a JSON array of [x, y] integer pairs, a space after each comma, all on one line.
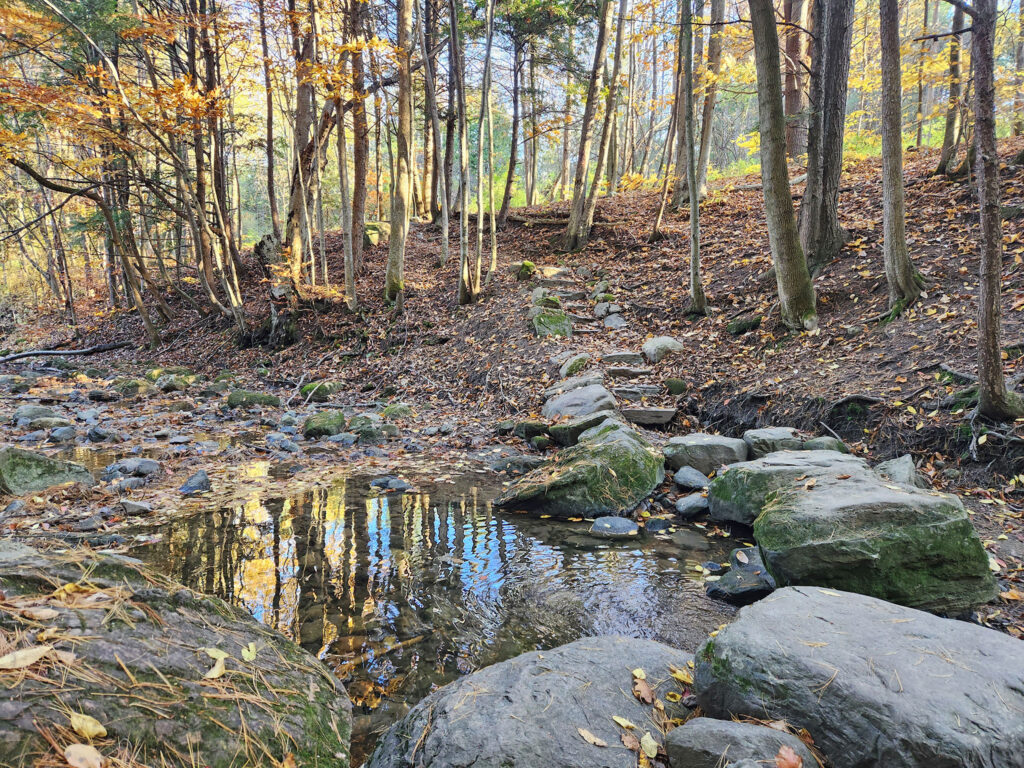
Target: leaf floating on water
[[215, 653], [623, 722], [249, 652], [788, 758], [83, 756], [87, 727], [649, 745], [26, 657], [591, 738], [216, 670]]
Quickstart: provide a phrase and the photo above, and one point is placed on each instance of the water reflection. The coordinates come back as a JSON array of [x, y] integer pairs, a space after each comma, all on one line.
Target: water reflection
[[405, 592]]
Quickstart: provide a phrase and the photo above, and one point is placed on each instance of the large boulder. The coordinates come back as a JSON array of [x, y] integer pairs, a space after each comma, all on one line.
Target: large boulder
[[568, 432], [740, 492], [24, 472], [859, 534], [704, 742], [876, 684], [581, 401], [544, 708], [661, 346], [705, 453], [770, 439], [608, 472], [163, 675]]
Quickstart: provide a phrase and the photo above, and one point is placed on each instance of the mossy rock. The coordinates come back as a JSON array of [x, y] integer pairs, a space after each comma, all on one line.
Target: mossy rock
[[552, 322], [744, 324], [574, 365], [550, 302], [319, 391], [530, 428], [505, 427], [375, 232], [676, 386], [23, 472], [135, 388], [175, 370], [324, 424], [398, 411], [244, 397], [525, 270], [175, 382], [144, 641]]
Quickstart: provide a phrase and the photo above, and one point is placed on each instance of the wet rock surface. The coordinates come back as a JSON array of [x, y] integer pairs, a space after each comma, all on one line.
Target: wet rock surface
[[23, 472]]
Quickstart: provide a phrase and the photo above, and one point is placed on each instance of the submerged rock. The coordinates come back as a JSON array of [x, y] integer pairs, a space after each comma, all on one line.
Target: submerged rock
[[614, 528], [24, 472], [610, 469], [875, 684], [527, 712], [197, 483], [135, 636]]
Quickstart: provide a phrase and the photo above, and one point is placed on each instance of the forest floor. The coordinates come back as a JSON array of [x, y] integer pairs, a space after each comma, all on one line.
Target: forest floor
[[886, 388]]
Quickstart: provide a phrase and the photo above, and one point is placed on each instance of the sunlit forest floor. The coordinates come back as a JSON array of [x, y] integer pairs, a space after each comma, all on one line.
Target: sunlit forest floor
[[886, 388]]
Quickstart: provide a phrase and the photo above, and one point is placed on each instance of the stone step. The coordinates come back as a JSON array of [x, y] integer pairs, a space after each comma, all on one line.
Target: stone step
[[585, 329], [627, 372], [637, 391], [649, 415], [622, 357], [557, 282]]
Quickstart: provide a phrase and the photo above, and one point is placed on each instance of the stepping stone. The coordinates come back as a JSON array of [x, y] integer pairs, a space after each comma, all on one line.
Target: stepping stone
[[770, 439], [579, 402], [649, 416], [690, 479], [747, 581], [636, 391], [614, 528], [622, 357], [626, 372], [704, 452], [615, 322], [576, 382], [661, 346]]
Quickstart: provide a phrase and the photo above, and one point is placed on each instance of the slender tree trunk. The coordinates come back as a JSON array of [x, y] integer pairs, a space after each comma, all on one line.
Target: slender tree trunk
[[796, 292], [485, 95], [952, 128], [903, 280], [1018, 96], [534, 139], [275, 218], [506, 198], [563, 176], [360, 135], [468, 290], [435, 123], [922, 52], [795, 13], [346, 210], [401, 200], [679, 183], [995, 401], [714, 70], [577, 212], [698, 303]]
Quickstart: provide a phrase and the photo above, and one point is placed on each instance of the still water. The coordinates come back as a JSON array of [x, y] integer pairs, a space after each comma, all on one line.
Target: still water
[[404, 592]]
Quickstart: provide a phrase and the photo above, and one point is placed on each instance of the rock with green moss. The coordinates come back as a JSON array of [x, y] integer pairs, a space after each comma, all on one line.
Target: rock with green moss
[[24, 414], [142, 638], [767, 440], [375, 232], [568, 432], [23, 472], [609, 471], [574, 365], [825, 443], [529, 428], [744, 324], [174, 370], [877, 684], [324, 424], [676, 386], [134, 388], [243, 397], [740, 492], [175, 382], [524, 270], [552, 322], [319, 391], [397, 411], [369, 427], [863, 535]]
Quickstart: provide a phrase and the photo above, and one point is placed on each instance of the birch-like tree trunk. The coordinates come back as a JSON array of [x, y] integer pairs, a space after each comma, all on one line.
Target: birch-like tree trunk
[[401, 200]]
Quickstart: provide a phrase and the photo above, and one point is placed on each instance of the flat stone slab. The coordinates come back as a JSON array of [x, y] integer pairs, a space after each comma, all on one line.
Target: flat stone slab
[[875, 684], [574, 382], [627, 372], [636, 391], [704, 452], [579, 402], [528, 712], [622, 357], [649, 416], [23, 472]]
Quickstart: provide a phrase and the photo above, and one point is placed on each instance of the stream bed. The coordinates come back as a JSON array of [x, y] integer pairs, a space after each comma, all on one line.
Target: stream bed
[[400, 593]]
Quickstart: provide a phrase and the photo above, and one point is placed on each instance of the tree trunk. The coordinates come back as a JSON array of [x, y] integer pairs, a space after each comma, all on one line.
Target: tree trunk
[[360, 136], [275, 218], [468, 290], [563, 175], [903, 280], [485, 95], [714, 70], [796, 292], [401, 200], [679, 182], [995, 401], [506, 198], [952, 129], [435, 124], [796, 14], [579, 193], [1018, 96], [346, 211], [698, 303]]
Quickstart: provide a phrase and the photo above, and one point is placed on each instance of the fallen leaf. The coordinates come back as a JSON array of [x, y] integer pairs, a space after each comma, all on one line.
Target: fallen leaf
[[249, 652], [643, 691], [26, 657], [215, 653], [87, 727], [83, 756], [629, 741], [40, 614], [591, 738], [216, 670], [623, 722], [741, 556], [682, 675], [788, 758], [650, 746], [639, 674]]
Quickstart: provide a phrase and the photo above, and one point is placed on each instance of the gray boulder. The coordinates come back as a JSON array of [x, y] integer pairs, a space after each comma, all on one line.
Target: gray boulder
[[704, 742], [661, 346], [705, 453], [859, 534], [582, 401], [739, 493], [27, 413], [876, 684], [902, 470], [574, 365], [690, 479], [568, 432], [139, 626], [574, 382], [527, 712], [615, 322], [610, 470], [614, 528], [771, 439], [23, 472], [689, 507]]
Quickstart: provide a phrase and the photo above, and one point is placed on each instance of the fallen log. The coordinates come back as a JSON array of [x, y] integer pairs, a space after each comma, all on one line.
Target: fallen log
[[65, 352]]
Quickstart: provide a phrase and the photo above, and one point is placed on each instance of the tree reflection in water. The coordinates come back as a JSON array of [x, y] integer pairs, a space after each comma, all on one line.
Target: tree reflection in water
[[405, 592]]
